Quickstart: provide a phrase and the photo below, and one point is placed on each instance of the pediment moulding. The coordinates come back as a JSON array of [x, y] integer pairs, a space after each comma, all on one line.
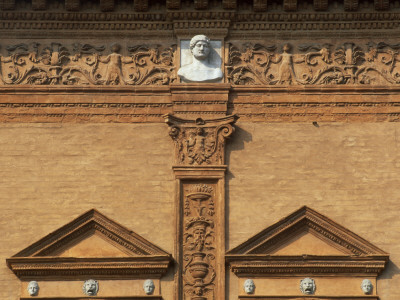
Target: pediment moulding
[[91, 245], [306, 242]]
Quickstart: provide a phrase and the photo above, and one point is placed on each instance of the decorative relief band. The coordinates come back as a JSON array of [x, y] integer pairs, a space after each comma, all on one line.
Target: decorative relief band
[[314, 64], [84, 64]]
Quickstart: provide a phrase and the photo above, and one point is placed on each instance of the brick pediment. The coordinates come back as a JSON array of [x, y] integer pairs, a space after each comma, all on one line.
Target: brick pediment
[[90, 244], [304, 242]]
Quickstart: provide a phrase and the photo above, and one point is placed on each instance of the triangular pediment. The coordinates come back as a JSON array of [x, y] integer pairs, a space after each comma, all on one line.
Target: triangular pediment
[[306, 241], [95, 241], [306, 232]]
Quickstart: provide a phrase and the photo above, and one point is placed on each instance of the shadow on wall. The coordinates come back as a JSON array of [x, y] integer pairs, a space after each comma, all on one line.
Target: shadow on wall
[[390, 271], [236, 143]]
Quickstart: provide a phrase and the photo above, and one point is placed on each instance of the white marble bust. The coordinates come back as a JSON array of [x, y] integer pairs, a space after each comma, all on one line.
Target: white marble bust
[[33, 288], [202, 69], [366, 286]]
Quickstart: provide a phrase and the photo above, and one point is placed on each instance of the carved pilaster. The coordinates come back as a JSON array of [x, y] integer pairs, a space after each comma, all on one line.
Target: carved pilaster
[[200, 205]]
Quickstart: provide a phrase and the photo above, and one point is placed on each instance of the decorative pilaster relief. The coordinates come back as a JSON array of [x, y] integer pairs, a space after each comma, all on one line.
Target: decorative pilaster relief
[[199, 249], [200, 173], [85, 64], [314, 64], [200, 142]]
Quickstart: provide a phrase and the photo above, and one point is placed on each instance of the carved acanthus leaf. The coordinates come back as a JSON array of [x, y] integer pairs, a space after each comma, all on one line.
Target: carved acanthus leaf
[[200, 142]]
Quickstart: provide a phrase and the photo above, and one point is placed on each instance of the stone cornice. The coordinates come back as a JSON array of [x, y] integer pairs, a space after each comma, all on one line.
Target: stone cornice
[[261, 265], [56, 267]]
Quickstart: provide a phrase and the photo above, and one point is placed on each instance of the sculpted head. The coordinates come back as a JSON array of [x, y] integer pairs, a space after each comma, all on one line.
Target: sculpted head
[[307, 286], [148, 286], [249, 286], [366, 286], [200, 46], [33, 288], [115, 47], [90, 287]]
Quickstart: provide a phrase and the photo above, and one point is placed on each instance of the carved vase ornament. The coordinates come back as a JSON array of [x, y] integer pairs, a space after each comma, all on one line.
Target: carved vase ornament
[[148, 287], [33, 288], [249, 286], [307, 286], [202, 68], [199, 247], [90, 287], [366, 286]]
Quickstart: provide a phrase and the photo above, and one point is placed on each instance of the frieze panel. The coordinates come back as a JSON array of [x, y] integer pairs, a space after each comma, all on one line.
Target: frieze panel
[[84, 65], [314, 64]]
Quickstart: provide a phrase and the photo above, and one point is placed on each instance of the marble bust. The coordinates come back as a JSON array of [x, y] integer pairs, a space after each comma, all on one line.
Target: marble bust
[[90, 287], [366, 286], [33, 288], [307, 286], [148, 287], [202, 68], [249, 286]]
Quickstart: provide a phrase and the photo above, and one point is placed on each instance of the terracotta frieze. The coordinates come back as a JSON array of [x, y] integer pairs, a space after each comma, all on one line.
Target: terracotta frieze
[[85, 65], [314, 64]]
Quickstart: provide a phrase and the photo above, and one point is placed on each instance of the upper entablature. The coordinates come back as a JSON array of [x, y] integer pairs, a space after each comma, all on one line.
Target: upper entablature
[[175, 9]]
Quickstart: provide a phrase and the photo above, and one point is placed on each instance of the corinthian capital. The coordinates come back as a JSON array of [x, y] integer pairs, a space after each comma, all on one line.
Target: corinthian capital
[[200, 142]]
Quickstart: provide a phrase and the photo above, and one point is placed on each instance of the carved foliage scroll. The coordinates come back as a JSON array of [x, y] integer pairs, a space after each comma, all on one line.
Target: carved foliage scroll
[[199, 250], [200, 142], [314, 64], [84, 64]]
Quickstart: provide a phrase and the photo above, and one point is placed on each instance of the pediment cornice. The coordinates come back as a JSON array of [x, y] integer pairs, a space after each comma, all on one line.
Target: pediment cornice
[[46, 257], [258, 254]]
